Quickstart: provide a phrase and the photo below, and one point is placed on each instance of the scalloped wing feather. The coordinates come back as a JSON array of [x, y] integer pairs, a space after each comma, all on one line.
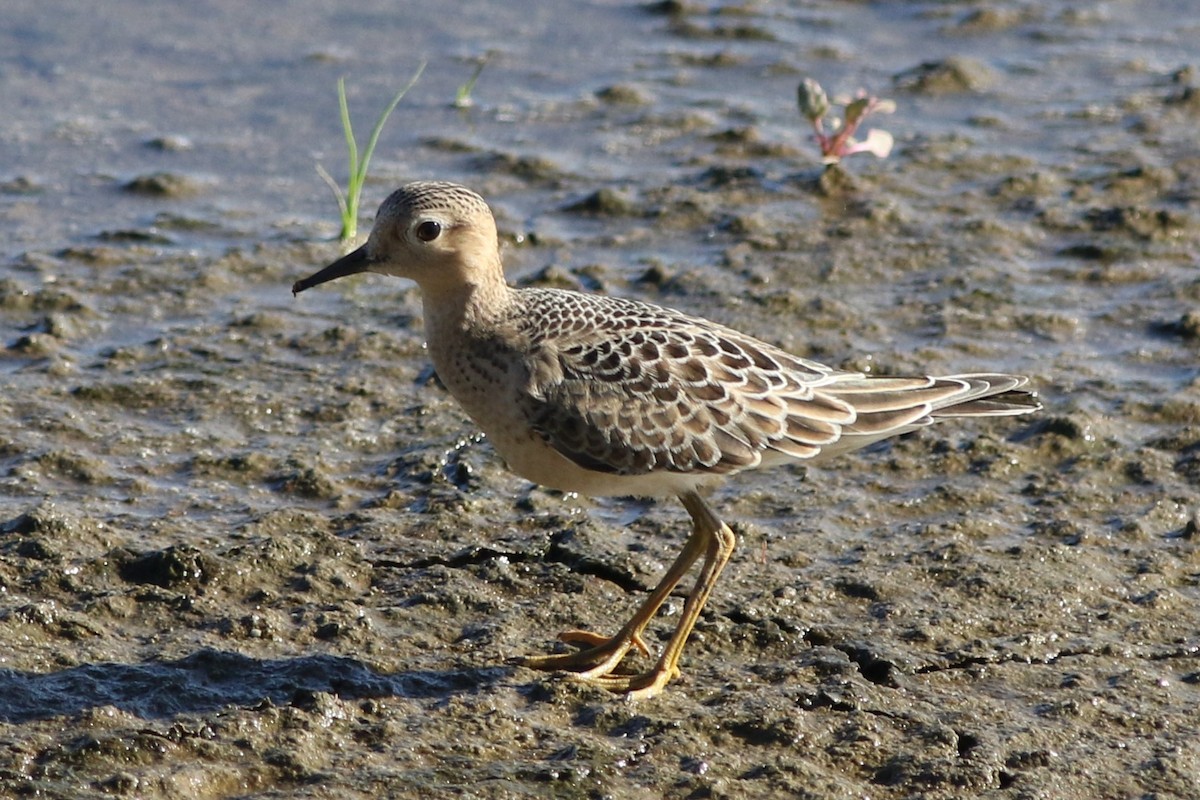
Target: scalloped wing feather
[[630, 388]]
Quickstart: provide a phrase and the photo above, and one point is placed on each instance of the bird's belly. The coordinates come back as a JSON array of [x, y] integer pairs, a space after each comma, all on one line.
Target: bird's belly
[[526, 453], [491, 391], [530, 456]]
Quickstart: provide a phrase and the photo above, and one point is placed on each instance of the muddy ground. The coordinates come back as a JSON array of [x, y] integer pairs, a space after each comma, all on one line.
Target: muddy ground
[[249, 547]]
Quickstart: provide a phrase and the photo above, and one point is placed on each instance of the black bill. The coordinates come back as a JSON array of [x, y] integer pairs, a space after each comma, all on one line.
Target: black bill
[[349, 264]]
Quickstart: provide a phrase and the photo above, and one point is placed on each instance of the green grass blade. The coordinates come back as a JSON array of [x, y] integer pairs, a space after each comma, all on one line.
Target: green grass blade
[[379, 123], [348, 201], [349, 231], [462, 98], [347, 128]]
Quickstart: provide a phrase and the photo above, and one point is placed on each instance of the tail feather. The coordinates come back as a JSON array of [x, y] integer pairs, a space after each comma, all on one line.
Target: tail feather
[[991, 395], [887, 407], [1005, 404]]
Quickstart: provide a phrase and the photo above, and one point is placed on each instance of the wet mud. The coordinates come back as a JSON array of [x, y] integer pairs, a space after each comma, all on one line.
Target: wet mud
[[249, 547]]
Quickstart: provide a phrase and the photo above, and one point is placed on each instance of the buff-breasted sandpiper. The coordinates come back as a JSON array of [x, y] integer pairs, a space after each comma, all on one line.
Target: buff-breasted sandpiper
[[607, 396]]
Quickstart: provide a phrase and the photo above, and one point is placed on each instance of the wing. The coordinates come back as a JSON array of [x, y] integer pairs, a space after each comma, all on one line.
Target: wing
[[630, 388]]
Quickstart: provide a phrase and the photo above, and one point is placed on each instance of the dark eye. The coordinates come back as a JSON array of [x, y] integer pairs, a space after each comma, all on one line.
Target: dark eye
[[429, 230]]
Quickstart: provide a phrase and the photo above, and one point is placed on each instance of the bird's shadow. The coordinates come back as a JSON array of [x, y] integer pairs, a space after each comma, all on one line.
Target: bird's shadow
[[209, 679]]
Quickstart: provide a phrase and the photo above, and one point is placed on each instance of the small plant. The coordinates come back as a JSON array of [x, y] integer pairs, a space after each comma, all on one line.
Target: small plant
[[835, 146], [348, 201], [462, 98]]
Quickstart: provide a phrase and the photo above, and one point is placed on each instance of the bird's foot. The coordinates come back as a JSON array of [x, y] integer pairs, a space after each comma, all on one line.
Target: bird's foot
[[599, 661], [599, 656], [589, 640], [641, 686]]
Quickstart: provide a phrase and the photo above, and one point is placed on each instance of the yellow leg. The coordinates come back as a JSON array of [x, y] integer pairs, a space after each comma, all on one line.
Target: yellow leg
[[605, 653], [597, 663]]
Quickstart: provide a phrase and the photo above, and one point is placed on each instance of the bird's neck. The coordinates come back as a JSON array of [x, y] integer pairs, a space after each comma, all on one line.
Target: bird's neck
[[464, 308]]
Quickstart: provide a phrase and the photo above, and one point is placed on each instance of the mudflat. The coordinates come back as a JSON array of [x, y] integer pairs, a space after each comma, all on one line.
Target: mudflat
[[249, 547]]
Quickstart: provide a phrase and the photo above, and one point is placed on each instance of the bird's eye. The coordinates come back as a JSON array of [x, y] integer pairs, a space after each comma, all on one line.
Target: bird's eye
[[429, 230]]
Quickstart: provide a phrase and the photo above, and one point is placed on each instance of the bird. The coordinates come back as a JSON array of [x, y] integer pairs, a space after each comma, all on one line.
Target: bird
[[608, 396]]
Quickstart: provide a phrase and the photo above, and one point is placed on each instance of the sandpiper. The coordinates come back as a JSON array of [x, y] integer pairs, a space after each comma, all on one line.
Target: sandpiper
[[608, 396]]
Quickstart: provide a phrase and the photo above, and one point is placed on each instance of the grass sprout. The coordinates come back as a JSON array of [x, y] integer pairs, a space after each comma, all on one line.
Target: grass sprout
[[462, 98], [348, 201]]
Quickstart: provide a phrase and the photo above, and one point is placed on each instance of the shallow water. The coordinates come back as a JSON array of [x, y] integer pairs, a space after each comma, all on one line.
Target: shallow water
[[248, 547]]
